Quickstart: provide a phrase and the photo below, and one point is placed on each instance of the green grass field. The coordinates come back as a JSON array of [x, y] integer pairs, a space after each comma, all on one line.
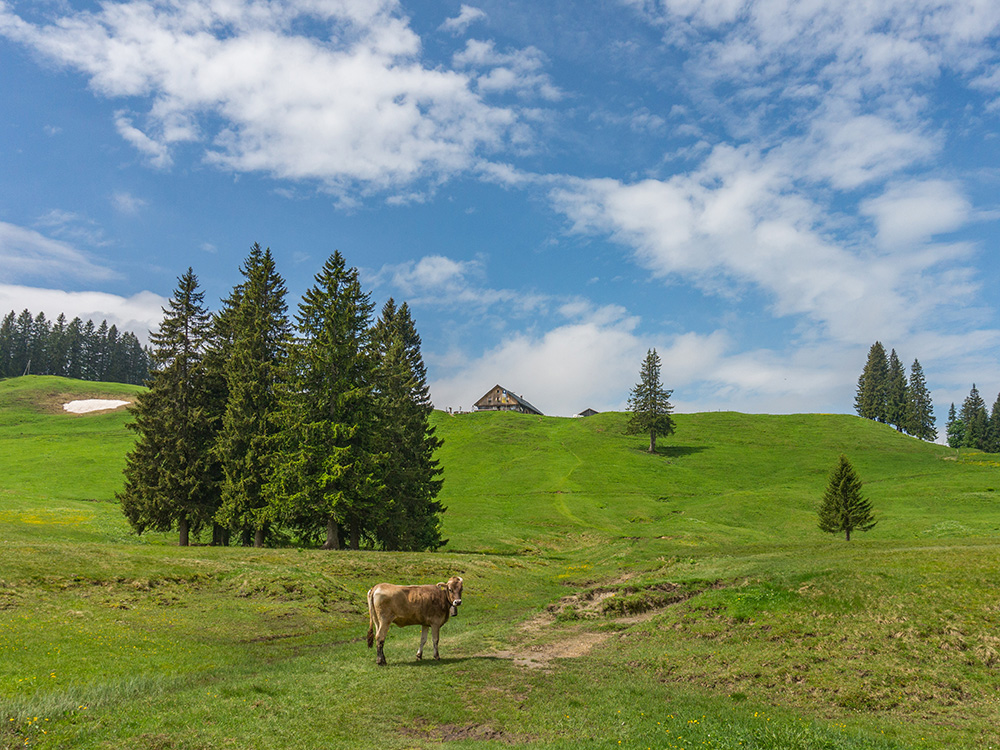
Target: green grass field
[[613, 598]]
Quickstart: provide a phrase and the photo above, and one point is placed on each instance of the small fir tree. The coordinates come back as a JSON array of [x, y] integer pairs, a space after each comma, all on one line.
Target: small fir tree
[[843, 508], [649, 403], [897, 397], [955, 429], [975, 419], [993, 429], [871, 399], [920, 415], [7, 345]]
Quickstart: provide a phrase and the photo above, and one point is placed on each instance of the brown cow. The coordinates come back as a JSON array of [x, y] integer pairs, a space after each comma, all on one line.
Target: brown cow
[[427, 606]]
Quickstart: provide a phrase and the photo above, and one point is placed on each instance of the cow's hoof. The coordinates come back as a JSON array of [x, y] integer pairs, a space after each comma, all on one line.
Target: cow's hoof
[[437, 657], [380, 662], [419, 657]]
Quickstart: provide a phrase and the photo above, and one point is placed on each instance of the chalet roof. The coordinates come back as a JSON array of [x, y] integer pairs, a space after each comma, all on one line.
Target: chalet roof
[[510, 394]]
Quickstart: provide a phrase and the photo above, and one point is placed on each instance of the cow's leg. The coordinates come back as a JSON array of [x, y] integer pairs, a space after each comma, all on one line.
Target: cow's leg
[[383, 628], [436, 633], [423, 640]]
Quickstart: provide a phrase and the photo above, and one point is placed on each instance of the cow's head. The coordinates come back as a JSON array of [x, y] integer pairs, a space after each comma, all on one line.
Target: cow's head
[[454, 589]]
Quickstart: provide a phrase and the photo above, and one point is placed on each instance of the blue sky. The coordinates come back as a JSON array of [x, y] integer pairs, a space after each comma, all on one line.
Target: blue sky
[[759, 190]]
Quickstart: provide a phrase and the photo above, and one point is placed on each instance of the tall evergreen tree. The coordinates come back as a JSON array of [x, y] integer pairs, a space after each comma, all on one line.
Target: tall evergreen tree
[[254, 328], [955, 429], [89, 352], [7, 345], [843, 508], [39, 348], [21, 353], [649, 403], [411, 475], [58, 356], [74, 349], [992, 443], [975, 419], [871, 400], [326, 477], [920, 413], [171, 478], [896, 396]]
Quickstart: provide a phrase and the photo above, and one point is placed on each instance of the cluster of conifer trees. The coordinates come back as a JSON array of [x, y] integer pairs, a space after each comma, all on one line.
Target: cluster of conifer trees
[[312, 432], [32, 345], [885, 395], [972, 426]]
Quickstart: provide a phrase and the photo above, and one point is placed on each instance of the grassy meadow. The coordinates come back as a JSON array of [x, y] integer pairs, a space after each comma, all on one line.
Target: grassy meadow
[[613, 598]]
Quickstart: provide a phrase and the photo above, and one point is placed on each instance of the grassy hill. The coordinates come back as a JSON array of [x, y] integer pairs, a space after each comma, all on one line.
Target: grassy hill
[[684, 599], [725, 478]]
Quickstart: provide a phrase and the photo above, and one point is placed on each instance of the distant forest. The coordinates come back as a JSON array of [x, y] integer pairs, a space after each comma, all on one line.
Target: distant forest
[[32, 345]]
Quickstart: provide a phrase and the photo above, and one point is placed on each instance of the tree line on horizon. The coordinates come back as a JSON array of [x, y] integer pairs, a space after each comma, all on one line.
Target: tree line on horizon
[[885, 395], [973, 426], [311, 432], [31, 345]]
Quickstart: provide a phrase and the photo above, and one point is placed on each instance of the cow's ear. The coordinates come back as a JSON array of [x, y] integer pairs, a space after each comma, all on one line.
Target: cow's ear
[[442, 585]]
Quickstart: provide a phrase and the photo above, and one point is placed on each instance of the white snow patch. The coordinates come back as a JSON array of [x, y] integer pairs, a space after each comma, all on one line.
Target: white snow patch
[[93, 404]]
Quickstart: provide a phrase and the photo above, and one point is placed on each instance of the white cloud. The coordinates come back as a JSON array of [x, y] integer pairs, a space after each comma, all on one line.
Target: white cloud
[[594, 362], [909, 213], [517, 71], [738, 220], [439, 281], [125, 203], [561, 372], [350, 106], [139, 313], [28, 255], [466, 17], [156, 152]]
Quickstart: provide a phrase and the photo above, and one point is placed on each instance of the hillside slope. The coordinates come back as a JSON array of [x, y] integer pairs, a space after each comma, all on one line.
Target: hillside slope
[[513, 480], [59, 471], [684, 599]]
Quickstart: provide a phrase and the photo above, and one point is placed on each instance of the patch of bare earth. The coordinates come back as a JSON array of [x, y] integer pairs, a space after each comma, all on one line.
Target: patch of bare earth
[[455, 732], [560, 632]]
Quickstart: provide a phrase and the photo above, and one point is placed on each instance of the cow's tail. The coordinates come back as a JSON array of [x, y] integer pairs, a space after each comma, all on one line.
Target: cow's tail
[[371, 618]]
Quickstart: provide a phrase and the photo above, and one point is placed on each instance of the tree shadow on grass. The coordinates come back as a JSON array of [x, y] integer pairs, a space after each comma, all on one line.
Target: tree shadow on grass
[[675, 451]]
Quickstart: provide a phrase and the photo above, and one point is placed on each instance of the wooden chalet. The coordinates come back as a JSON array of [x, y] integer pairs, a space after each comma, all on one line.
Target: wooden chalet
[[587, 413], [500, 399]]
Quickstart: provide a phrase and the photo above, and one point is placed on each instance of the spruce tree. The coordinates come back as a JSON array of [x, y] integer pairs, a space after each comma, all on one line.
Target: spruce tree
[[896, 396], [843, 508], [871, 400], [993, 429], [411, 475], [39, 350], [21, 350], [74, 349], [326, 475], [254, 328], [955, 429], [920, 413], [171, 479], [975, 419], [59, 346], [649, 403], [7, 345]]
